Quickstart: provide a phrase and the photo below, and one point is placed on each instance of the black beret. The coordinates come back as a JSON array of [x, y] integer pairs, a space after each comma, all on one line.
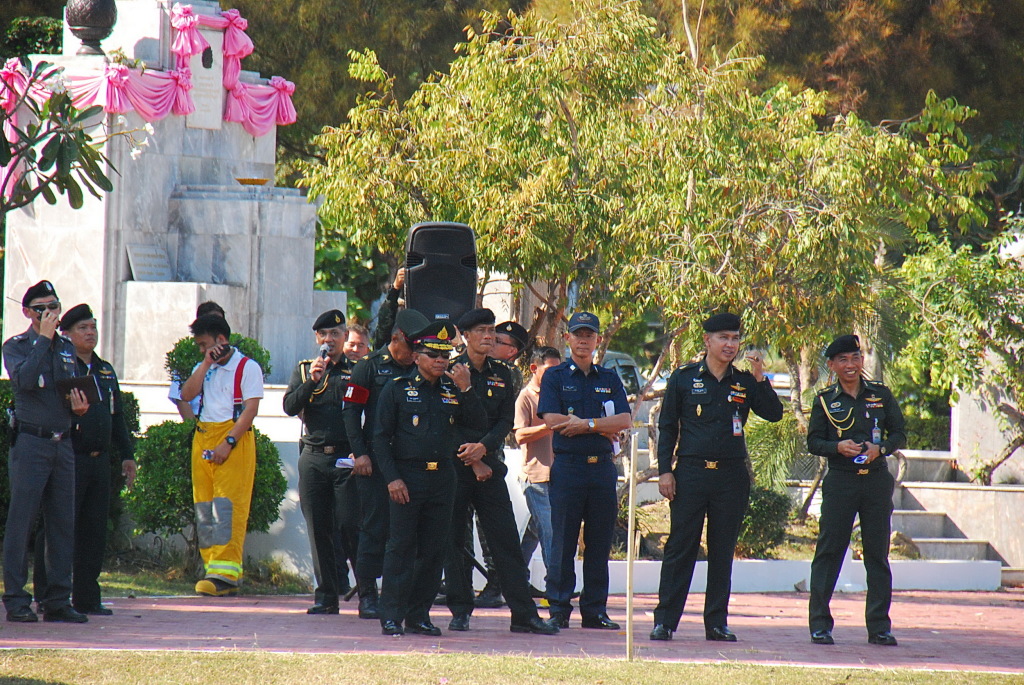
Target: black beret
[[475, 317], [844, 343], [436, 336], [410, 321], [79, 312], [515, 331], [40, 289], [329, 319], [723, 321]]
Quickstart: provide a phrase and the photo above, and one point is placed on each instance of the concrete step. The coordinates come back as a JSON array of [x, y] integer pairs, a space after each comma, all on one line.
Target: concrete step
[[952, 548], [919, 524], [1012, 577], [928, 466]]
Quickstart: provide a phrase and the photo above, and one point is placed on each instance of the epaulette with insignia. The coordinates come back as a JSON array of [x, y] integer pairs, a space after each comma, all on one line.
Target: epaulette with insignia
[[691, 365], [828, 389]]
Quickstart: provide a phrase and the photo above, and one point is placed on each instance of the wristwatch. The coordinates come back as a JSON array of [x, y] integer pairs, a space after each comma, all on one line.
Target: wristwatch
[[592, 424], [230, 440]]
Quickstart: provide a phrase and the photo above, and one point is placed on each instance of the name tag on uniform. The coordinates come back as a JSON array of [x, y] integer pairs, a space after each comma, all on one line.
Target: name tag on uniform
[[699, 391], [569, 388]]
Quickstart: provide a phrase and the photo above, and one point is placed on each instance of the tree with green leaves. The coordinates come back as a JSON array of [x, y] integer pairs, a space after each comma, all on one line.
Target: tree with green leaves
[[595, 159]]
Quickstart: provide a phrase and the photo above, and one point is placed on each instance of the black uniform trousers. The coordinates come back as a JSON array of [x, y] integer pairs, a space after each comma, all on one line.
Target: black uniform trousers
[[844, 495], [720, 494], [580, 492], [92, 511], [375, 508], [323, 497], [497, 522], [42, 477], [418, 540]]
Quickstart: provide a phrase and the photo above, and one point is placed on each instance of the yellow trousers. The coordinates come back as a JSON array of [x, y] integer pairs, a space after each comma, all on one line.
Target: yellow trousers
[[222, 495]]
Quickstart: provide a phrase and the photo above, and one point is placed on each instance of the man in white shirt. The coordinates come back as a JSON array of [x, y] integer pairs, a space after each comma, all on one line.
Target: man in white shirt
[[223, 452]]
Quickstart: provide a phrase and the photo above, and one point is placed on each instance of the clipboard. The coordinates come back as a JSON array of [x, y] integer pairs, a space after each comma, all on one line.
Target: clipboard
[[87, 384]]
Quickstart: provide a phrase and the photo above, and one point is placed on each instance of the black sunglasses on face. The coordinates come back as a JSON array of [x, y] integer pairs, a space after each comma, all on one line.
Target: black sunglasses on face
[[40, 308], [433, 354]]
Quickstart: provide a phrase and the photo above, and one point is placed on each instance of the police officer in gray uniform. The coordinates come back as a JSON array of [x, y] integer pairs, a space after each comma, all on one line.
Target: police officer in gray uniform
[[41, 464]]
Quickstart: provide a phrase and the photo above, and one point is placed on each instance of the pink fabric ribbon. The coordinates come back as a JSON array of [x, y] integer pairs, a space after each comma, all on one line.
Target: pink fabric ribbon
[[153, 94], [259, 108], [187, 40]]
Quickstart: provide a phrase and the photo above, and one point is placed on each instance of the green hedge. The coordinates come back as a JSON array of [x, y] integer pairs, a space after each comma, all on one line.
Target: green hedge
[[185, 354], [161, 501], [764, 525]]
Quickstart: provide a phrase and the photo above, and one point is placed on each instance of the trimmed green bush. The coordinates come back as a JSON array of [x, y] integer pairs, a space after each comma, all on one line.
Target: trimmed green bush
[[185, 354], [764, 525], [32, 36], [161, 501]]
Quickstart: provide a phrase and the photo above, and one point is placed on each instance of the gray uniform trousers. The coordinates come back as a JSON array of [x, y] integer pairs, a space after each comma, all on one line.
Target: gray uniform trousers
[[42, 477]]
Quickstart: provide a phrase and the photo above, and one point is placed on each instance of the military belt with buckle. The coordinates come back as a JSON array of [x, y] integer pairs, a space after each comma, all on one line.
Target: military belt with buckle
[[593, 459], [863, 472], [711, 464], [432, 465], [40, 432]]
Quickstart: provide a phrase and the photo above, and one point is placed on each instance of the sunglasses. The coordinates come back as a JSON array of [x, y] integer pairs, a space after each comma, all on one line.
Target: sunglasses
[[40, 308], [434, 354]]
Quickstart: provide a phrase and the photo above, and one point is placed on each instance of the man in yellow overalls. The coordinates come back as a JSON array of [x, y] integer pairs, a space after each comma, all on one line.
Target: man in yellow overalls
[[223, 452]]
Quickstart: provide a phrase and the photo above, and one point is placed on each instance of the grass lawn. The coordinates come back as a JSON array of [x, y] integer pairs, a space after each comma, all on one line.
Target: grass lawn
[[51, 666]]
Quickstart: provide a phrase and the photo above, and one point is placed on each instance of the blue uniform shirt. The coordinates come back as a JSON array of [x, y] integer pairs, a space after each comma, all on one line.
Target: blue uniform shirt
[[565, 390]]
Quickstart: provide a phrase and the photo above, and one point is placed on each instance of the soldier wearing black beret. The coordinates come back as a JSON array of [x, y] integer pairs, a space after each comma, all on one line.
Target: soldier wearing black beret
[[855, 423], [42, 461], [480, 486], [94, 438], [327, 498], [701, 428], [510, 341]]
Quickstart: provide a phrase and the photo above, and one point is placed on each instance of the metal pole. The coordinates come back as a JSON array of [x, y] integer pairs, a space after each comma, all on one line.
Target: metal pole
[[631, 542]]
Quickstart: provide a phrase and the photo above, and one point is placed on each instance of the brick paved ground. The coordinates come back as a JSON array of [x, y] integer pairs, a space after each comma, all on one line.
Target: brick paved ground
[[937, 630]]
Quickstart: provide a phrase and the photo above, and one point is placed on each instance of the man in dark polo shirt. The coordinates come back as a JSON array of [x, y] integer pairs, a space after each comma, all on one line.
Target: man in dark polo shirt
[[317, 393], [855, 423], [585, 405], [702, 418]]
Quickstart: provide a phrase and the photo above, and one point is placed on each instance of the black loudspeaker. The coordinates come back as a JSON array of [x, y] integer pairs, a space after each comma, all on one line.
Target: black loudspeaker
[[440, 281]]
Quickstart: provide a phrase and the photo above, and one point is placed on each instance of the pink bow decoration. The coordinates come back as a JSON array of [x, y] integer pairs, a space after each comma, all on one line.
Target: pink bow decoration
[[187, 41]]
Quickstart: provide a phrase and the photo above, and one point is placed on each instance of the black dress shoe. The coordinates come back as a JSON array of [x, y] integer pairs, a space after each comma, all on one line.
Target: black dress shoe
[[536, 625], [559, 620], [601, 622], [489, 598], [459, 622], [423, 628], [22, 615], [323, 609], [368, 607], [720, 634], [95, 610], [822, 637], [661, 632], [390, 628], [885, 639], [65, 614]]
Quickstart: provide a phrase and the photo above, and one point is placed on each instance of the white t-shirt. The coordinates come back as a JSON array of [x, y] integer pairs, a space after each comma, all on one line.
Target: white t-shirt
[[219, 388], [174, 395]]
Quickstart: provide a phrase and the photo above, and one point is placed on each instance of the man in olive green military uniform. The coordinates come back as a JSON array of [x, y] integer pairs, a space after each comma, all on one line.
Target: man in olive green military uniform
[[369, 376], [856, 424], [415, 435], [317, 393], [92, 436]]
